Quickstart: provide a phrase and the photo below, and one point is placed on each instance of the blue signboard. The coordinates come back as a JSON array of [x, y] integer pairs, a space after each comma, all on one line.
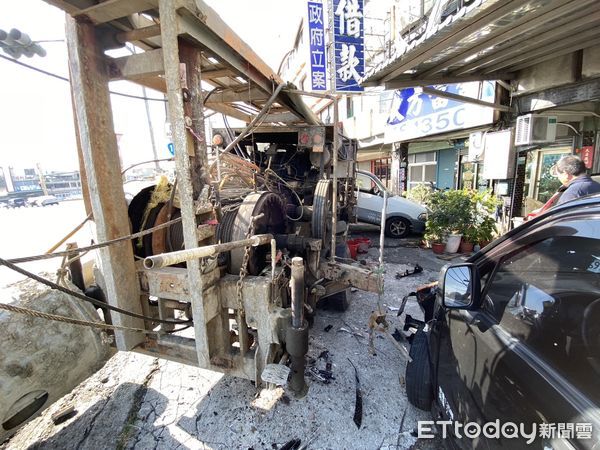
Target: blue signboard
[[415, 114], [317, 46], [349, 47]]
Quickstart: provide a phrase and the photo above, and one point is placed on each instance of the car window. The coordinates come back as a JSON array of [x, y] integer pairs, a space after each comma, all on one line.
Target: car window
[[547, 294], [366, 183]]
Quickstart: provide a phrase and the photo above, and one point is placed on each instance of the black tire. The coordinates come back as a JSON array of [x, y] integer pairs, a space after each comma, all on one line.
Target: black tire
[[419, 389], [397, 227], [339, 301]]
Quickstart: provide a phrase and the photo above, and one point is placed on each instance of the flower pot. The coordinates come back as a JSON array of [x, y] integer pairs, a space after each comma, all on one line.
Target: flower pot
[[483, 243], [438, 247], [453, 242], [466, 246]]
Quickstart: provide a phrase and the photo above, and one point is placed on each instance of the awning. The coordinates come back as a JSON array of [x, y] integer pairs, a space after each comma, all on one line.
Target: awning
[[486, 40]]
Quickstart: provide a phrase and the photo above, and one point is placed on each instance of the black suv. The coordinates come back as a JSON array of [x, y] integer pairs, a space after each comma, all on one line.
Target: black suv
[[513, 335]]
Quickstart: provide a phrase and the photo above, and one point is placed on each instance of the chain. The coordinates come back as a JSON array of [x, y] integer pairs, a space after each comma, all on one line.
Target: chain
[[244, 268]]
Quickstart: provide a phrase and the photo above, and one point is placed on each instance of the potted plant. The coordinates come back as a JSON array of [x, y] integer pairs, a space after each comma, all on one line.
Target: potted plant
[[434, 236], [470, 237]]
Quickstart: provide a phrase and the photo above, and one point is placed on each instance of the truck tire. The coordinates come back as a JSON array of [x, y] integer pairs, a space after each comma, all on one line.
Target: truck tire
[[419, 390]]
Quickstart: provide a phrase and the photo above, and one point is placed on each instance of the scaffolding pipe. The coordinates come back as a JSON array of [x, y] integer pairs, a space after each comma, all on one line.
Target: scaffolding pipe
[[261, 113], [334, 155], [169, 259]]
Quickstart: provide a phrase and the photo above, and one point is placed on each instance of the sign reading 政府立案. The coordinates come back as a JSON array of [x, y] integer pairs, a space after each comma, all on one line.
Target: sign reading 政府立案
[[415, 114], [348, 26], [317, 46]]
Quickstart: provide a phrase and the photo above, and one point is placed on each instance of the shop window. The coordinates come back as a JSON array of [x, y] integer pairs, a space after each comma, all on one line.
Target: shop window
[[422, 168], [381, 168]]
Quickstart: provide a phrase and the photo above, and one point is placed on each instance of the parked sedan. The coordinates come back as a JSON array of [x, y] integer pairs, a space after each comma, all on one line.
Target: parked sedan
[[402, 215], [48, 200]]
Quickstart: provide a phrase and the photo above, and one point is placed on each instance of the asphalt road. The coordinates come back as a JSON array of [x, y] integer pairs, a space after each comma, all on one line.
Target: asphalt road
[[139, 402], [33, 230]]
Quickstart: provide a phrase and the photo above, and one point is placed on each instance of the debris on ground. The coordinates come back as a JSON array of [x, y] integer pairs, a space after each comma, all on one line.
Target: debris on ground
[[418, 269], [294, 444], [63, 415], [358, 407], [327, 328]]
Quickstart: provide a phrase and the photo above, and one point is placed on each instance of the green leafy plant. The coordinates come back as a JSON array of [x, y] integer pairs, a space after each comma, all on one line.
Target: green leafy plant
[[465, 212], [420, 194]]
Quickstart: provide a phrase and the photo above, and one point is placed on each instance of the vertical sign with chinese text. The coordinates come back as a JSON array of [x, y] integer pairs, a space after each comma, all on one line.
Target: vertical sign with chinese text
[[348, 23], [316, 36]]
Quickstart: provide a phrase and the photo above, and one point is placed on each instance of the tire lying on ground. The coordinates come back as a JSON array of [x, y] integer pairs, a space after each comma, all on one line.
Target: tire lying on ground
[[419, 390]]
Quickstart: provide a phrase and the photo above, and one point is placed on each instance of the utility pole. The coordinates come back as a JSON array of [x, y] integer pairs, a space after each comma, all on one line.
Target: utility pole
[[42, 179]]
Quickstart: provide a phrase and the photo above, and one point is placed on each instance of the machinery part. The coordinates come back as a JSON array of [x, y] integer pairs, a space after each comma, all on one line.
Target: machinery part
[[273, 222], [397, 227], [419, 389], [223, 234], [50, 359], [340, 301], [136, 209], [297, 289], [172, 258], [320, 227], [315, 158], [297, 334]]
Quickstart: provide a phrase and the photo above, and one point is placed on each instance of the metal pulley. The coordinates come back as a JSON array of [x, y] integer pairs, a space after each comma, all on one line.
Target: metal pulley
[[321, 212], [235, 225]]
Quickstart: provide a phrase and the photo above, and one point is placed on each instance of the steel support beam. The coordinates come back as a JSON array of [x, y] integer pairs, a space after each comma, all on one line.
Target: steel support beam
[[540, 18], [560, 96], [464, 99], [556, 53], [89, 75], [237, 94], [401, 84], [517, 48], [562, 47], [170, 34], [474, 26], [115, 9]]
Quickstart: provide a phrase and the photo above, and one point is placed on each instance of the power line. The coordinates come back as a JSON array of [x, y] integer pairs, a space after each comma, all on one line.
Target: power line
[[50, 74]]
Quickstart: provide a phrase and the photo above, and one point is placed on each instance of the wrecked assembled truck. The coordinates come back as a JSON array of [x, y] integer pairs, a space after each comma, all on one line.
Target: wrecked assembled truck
[[221, 267]]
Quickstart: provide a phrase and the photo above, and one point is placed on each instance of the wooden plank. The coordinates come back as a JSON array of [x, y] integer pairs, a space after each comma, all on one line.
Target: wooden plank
[[218, 73], [140, 65], [239, 94], [115, 9], [89, 76], [138, 34], [170, 34]]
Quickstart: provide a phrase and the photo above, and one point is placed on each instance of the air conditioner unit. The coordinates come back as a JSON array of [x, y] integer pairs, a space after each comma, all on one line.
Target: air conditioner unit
[[532, 129]]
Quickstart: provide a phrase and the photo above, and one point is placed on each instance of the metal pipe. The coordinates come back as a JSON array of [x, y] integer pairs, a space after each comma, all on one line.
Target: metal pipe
[[273, 258], [297, 288], [171, 258], [334, 155], [297, 333]]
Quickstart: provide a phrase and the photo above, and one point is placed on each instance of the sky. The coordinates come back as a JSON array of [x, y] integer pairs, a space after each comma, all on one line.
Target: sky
[[36, 119]]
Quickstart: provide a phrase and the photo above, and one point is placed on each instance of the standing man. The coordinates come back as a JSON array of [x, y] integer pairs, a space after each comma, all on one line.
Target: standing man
[[570, 170]]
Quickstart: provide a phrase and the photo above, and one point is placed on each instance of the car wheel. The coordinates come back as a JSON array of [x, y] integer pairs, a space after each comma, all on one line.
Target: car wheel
[[397, 227], [419, 388]]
